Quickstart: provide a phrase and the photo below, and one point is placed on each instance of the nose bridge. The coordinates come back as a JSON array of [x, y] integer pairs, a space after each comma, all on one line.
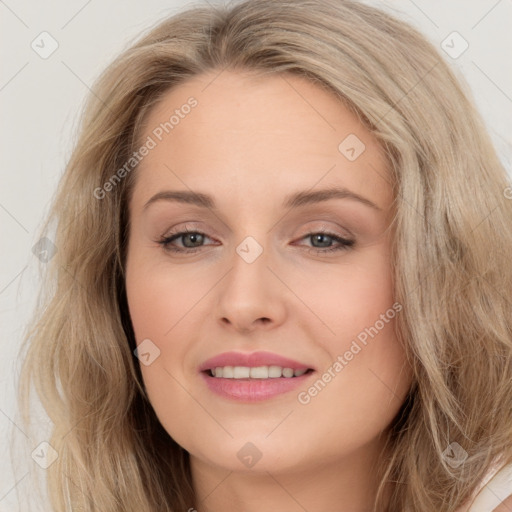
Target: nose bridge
[[254, 248], [250, 250], [254, 238], [250, 265]]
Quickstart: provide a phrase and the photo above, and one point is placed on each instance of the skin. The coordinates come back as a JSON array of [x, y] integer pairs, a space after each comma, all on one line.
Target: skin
[[250, 142], [505, 506]]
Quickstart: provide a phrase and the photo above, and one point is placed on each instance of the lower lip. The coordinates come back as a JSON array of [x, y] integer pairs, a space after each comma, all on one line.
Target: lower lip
[[253, 390]]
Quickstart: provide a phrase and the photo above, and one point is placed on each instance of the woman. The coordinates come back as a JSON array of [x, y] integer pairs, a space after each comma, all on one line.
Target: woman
[[282, 274]]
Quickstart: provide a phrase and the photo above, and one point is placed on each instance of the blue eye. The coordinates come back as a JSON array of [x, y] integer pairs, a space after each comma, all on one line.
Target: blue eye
[[344, 244], [196, 238]]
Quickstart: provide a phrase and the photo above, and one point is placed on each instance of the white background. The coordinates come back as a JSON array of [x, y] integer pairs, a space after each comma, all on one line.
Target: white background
[[41, 99]]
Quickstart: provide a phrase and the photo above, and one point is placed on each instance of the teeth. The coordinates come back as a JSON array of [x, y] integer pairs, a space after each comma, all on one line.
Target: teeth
[[287, 372], [274, 372], [239, 372], [257, 372]]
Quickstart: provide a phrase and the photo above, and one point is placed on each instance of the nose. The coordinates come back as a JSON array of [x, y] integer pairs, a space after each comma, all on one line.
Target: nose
[[251, 296]]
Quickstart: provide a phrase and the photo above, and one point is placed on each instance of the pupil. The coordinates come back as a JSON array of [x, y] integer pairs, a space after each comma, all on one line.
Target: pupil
[[193, 236], [319, 237]]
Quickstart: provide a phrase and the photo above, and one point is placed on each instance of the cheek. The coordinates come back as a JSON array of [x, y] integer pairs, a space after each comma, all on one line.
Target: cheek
[[365, 381], [367, 376], [159, 297], [161, 303], [350, 296]]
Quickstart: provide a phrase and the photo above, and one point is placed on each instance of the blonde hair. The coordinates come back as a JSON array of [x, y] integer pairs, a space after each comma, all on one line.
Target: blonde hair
[[451, 252]]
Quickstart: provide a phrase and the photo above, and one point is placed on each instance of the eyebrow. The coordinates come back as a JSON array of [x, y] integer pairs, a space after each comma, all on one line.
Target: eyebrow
[[292, 201]]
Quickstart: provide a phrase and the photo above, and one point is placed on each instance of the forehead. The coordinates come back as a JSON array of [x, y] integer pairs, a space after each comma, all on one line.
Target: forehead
[[252, 134]]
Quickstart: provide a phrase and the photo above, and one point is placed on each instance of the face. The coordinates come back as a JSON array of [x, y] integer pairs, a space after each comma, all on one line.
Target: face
[[260, 258]]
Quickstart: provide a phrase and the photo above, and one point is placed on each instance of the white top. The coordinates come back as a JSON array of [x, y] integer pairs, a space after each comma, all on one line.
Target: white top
[[492, 491]]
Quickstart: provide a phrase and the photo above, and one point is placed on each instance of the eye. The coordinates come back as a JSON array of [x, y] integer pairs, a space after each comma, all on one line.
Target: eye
[[192, 241], [323, 238]]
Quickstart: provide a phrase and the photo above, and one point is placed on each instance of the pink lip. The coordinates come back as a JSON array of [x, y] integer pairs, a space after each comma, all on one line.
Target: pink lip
[[252, 390], [251, 360]]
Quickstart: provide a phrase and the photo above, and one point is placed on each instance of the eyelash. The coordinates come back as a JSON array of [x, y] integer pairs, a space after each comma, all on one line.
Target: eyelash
[[345, 244]]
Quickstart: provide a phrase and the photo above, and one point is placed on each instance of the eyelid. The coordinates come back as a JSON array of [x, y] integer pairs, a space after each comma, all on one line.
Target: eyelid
[[195, 225], [184, 227]]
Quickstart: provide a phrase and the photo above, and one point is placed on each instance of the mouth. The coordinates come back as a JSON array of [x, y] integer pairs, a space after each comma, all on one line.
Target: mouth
[[253, 377], [243, 384], [247, 373]]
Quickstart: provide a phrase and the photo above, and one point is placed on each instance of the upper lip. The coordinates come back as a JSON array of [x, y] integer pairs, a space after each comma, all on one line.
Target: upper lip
[[252, 360]]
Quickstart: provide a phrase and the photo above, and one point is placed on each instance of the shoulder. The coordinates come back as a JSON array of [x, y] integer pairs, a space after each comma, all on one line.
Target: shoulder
[[504, 506], [495, 494]]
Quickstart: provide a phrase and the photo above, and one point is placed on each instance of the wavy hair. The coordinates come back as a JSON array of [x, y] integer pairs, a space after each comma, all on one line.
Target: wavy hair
[[451, 254]]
